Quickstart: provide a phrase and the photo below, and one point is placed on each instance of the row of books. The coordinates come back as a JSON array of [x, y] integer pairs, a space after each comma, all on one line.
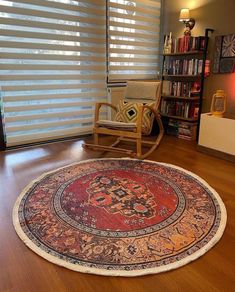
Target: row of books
[[182, 109], [182, 130], [184, 44], [184, 89], [182, 67], [189, 43]]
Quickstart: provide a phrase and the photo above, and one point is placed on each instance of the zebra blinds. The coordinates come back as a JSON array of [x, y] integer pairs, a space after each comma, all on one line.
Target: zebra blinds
[[52, 67], [133, 36]]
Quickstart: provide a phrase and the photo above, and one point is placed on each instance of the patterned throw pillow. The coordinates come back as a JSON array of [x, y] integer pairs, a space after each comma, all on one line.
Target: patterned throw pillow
[[127, 113]]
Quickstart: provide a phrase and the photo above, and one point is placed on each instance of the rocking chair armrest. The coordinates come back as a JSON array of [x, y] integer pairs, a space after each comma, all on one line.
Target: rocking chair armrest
[[98, 106], [107, 104], [152, 109]]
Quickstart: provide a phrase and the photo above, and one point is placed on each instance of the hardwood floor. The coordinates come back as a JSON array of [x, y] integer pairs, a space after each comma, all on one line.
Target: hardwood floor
[[23, 270]]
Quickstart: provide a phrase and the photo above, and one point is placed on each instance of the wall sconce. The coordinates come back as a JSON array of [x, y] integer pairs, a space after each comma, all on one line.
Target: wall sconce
[[189, 22]]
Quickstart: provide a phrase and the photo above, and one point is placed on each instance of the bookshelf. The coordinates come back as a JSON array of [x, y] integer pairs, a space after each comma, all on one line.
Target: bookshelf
[[183, 73], [184, 53], [180, 97], [181, 76], [180, 118]]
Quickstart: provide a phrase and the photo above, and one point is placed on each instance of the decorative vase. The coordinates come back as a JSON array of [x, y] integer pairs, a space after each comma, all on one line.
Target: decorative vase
[[168, 44]]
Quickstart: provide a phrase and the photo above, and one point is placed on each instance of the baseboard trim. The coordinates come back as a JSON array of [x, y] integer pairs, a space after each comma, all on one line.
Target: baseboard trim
[[216, 153], [52, 141]]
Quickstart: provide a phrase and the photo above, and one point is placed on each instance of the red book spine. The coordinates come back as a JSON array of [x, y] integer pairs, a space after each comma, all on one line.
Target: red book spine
[[181, 45]]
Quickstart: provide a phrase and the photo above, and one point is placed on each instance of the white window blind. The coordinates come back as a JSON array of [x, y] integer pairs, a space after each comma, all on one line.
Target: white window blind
[[133, 36], [52, 67]]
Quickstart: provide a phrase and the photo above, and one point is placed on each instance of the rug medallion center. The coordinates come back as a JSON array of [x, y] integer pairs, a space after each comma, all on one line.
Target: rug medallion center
[[114, 201], [121, 195]]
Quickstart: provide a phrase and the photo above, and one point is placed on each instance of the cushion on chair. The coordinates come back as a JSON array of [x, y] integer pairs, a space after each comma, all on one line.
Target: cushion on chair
[[117, 125], [127, 113]]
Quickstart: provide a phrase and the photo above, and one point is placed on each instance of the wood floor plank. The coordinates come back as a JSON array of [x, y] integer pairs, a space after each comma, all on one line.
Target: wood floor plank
[[21, 270]]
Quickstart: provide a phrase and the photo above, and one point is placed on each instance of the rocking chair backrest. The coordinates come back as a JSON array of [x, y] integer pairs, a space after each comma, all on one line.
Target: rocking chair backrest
[[143, 92]]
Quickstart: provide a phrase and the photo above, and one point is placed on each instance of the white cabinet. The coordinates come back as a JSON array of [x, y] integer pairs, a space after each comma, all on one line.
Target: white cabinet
[[217, 133]]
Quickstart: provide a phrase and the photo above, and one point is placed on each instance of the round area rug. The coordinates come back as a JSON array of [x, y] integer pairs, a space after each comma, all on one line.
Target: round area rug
[[119, 217]]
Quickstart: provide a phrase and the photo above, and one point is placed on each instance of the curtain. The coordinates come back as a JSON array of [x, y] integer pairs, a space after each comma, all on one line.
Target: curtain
[[133, 39], [52, 67]]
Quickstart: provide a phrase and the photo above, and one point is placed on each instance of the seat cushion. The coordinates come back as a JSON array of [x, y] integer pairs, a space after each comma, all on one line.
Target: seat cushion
[[127, 113], [117, 125]]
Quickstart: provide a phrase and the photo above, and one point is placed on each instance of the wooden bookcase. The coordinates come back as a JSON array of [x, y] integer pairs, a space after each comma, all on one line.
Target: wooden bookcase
[[183, 76]]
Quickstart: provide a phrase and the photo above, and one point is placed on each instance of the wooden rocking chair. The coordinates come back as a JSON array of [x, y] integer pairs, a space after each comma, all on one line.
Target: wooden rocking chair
[[134, 118]]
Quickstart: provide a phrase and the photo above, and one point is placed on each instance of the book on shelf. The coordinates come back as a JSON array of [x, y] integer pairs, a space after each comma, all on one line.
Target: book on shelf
[[181, 129], [185, 137], [181, 109], [187, 132], [182, 67], [166, 87], [186, 44], [193, 111], [195, 89], [181, 89]]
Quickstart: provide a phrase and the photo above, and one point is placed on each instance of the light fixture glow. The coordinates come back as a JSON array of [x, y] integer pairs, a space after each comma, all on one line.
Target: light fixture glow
[[187, 20], [184, 15]]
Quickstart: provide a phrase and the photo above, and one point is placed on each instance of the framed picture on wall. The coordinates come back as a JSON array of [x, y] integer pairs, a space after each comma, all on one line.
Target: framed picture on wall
[[228, 46], [224, 54]]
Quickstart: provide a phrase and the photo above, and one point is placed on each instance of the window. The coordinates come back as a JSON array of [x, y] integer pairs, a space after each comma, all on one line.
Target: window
[[133, 39], [53, 61], [52, 67]]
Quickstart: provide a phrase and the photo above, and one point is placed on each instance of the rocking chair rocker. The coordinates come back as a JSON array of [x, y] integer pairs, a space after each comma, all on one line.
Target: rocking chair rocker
[[134, 117]]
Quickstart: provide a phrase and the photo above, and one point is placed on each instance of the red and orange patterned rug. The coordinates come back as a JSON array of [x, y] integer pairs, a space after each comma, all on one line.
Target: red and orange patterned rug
[[119, 217]]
